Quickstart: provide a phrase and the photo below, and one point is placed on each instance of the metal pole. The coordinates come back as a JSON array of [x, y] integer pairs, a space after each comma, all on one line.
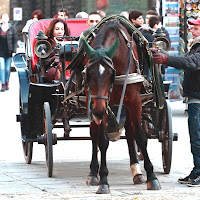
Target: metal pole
[[51, 10], [33, 5], [43, 8]]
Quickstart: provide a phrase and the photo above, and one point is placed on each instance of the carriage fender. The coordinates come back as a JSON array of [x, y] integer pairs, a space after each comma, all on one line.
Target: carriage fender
[[24, 85]]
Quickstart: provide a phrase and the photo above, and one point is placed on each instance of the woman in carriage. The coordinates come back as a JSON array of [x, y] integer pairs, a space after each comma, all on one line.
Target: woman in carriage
[[55, 31]]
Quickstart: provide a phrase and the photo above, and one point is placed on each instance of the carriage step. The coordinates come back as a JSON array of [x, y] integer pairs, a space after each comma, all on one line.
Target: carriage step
[[175, 137], [18, 118]]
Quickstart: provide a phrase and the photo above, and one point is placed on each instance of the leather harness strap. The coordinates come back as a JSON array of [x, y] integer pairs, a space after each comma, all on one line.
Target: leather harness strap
[[133, 55]]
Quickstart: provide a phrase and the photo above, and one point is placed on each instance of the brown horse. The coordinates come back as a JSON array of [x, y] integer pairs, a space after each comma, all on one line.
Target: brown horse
[[108, 56]]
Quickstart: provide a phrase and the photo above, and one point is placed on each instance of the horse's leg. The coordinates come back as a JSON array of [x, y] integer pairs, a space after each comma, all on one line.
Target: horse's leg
[[103, 187], [138, 178], [141, 140], [94, 165]]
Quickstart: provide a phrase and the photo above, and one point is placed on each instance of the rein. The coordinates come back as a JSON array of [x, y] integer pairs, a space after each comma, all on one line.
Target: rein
[[125, 82]]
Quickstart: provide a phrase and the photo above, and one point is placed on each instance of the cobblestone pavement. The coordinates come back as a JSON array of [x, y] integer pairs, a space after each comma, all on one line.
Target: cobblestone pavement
[[20, 181]]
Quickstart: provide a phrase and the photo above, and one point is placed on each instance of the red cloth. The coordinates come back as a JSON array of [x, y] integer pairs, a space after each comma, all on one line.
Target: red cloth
[[52, 74]]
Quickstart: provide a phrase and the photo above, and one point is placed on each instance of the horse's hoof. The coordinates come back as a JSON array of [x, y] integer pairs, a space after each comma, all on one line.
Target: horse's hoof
[[138, 179], [103, 189], [92, 180], [153, 185]]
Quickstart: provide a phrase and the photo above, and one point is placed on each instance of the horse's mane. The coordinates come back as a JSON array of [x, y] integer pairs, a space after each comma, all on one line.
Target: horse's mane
[[110, 25]]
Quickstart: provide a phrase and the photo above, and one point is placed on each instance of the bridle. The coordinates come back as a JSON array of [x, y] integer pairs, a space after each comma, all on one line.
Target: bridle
[[103, 60]]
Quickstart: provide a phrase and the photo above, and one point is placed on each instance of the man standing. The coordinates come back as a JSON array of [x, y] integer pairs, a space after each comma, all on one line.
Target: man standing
[[149, 14], [190, 62], [93, 18], [63, 13], [154, 24]]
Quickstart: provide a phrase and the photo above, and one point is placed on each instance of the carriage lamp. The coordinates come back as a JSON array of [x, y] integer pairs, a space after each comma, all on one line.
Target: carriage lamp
[[42, 49], [41, 36], [160, 42], [159, 33]]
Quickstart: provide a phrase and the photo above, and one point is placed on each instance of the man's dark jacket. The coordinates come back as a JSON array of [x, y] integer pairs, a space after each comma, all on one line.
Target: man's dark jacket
[[190, 62]]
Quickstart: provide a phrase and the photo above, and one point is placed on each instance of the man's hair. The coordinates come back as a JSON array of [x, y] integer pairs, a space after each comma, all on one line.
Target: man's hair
[[154, 20], [101, 13], [151, 12], [134, 14], [65, 11], [81, 15], [94, 13]]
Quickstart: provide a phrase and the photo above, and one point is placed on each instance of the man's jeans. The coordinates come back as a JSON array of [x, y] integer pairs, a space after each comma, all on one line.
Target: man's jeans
[[5, 65], [194, 131]]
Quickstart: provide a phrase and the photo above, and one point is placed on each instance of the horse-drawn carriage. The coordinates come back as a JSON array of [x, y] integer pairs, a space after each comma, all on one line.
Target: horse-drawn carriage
[[93, 92]]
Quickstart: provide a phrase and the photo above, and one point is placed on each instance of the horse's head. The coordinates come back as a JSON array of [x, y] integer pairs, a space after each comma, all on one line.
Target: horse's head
[[99, 78]]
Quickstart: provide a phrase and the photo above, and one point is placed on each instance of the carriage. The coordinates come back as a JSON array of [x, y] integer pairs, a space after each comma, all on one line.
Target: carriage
[[44, 106]]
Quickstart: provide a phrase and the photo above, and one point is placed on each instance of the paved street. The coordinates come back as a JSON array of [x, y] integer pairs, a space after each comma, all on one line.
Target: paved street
[[19, 180]]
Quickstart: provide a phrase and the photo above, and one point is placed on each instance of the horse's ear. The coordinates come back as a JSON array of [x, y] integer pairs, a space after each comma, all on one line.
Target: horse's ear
[[113, 48], [88, 49]]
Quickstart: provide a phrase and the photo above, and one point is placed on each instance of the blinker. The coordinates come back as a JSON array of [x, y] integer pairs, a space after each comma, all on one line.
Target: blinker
[[95, 54]]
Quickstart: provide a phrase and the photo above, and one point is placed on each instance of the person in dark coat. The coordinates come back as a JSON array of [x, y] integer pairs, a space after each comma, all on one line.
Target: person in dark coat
[[149, 14], [154, 23], [190, 63], [135, 16], [7, 48]]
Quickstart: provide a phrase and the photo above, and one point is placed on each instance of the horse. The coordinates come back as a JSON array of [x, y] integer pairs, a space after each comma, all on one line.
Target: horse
[[107, 58]]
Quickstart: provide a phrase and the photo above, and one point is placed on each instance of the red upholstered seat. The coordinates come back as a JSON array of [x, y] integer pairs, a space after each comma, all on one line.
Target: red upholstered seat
[[76, 27]]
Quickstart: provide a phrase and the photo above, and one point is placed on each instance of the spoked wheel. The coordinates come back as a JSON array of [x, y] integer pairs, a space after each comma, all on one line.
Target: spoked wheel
[[48, 138], [26, 145], [28, 151], [167, 137]]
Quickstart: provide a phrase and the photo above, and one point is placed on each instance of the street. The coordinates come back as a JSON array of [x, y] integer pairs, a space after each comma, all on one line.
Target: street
[[19, 180]]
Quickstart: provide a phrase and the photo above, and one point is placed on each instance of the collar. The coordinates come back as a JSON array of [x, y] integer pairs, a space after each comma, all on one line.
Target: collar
[[195, 41]]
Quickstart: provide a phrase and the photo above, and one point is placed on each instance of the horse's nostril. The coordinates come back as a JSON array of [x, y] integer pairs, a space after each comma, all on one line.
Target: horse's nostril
[[98, 115]]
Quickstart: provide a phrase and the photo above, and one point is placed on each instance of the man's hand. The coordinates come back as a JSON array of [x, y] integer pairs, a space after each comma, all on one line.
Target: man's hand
[[158, 57]]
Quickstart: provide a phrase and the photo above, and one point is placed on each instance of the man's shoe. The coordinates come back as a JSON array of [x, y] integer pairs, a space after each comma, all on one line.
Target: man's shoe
[[195, 183], [186, 180]]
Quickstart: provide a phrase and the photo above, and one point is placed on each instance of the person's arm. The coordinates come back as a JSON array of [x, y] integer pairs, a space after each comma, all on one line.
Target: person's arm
[[190, 63]]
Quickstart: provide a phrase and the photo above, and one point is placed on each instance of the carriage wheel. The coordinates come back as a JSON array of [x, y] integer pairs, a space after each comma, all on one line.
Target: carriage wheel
[[27, 146], [48, 138], [167, 137], [28, 151]]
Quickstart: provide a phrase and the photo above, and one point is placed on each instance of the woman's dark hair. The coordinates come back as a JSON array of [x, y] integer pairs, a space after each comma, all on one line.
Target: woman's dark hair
[[38, 13], [49, 29]]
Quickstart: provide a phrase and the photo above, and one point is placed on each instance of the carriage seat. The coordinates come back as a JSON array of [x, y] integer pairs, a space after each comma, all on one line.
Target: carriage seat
[[76, 27]]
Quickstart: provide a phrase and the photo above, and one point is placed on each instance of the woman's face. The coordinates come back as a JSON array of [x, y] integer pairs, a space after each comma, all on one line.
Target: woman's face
[[5, 17], [59, 30]]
